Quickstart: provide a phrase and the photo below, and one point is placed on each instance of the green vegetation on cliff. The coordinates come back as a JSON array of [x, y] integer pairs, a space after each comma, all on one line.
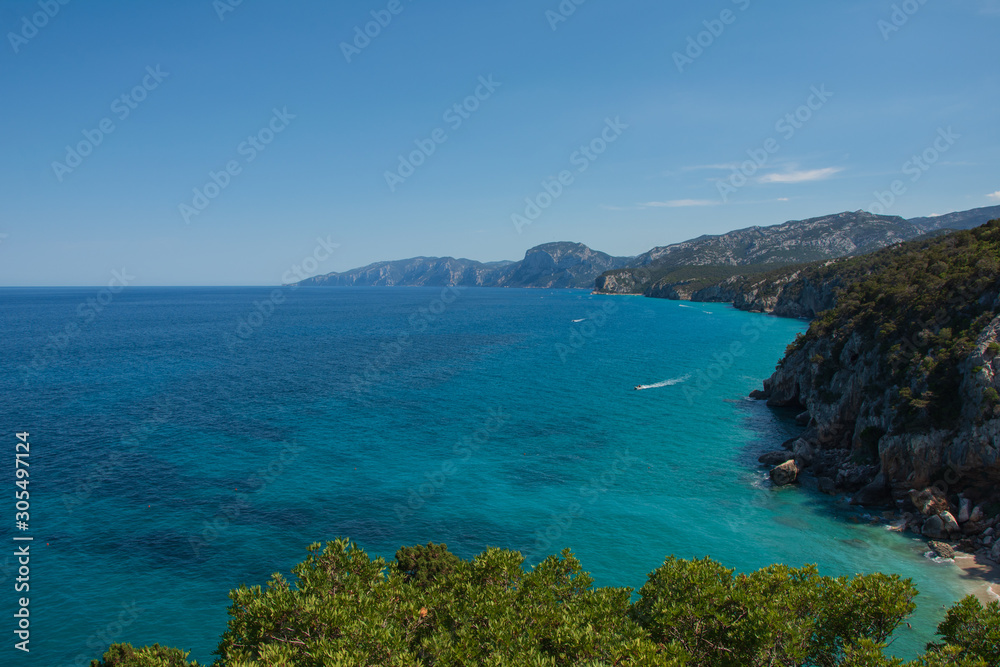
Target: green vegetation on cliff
[[924, 304], [428, 607]]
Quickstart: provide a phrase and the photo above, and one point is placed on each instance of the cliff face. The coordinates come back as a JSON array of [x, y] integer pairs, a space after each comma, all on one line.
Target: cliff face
[[551, 265], [899, 384], [559, 265], [418, 271], [759, 249]]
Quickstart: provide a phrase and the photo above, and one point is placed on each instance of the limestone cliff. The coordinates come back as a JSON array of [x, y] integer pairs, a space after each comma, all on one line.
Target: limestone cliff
[[900, 382]]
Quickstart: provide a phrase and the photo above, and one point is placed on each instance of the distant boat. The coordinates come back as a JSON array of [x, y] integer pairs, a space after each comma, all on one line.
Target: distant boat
[[638, 387]]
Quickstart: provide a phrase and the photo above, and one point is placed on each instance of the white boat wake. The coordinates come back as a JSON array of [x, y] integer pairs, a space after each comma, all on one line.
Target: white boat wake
[[580, 320], [665, 383]]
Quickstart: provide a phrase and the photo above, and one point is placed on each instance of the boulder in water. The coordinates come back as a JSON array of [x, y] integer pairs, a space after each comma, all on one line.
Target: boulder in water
[[773, 458], [941, 549], [785, 474]]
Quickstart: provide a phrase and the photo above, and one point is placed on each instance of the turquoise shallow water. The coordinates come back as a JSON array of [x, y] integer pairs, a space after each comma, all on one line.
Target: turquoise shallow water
[[182, 446]]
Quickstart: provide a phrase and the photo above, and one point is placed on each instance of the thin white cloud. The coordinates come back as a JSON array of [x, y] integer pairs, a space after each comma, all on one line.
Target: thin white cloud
[[679, 203], [994, 195], [801, 176]]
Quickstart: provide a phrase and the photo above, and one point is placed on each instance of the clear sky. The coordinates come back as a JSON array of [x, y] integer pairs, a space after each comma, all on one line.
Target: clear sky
[[668, 98]]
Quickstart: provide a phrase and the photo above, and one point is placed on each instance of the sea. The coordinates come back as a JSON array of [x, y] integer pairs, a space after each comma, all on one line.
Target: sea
[[187, 441]]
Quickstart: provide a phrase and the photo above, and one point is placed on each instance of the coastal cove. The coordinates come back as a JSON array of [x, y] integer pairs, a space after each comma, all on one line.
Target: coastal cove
[[186, 446]]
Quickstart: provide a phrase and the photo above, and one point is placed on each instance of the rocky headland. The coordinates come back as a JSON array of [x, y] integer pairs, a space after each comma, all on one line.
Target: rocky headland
[[897, 386]]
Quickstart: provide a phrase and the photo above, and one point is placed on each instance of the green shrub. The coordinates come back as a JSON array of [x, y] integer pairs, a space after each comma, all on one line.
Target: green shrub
[[432, 608], [124, 655], [991, 396]]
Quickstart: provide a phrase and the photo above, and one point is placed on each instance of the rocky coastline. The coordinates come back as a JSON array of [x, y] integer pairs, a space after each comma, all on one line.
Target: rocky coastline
[[941, 483], [897, 391]]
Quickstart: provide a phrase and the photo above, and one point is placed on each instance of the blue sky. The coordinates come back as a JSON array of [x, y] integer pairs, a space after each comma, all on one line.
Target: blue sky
[[210, 85]]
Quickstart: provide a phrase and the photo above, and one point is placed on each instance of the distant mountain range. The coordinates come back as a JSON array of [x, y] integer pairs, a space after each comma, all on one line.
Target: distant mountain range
[[549, 265], [673, 271]]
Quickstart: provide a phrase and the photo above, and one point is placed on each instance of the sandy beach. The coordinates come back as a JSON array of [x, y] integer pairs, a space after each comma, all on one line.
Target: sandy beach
[[981, 573]]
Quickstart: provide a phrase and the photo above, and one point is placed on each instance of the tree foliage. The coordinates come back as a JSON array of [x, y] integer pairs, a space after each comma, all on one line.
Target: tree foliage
[[428, 607]]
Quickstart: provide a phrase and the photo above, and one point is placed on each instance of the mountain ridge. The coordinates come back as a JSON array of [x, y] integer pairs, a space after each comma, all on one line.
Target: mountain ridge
[[677, 270]]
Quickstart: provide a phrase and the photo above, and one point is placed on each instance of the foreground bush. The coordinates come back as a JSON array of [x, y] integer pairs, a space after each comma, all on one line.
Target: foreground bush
[[428, 607]]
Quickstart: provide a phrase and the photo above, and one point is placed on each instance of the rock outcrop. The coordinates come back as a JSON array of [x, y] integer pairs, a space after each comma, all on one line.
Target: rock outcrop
[[785, 474], [906, 412]]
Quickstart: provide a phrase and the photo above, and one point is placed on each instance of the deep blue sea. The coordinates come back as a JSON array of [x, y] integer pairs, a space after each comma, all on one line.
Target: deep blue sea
[[185, 441]]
